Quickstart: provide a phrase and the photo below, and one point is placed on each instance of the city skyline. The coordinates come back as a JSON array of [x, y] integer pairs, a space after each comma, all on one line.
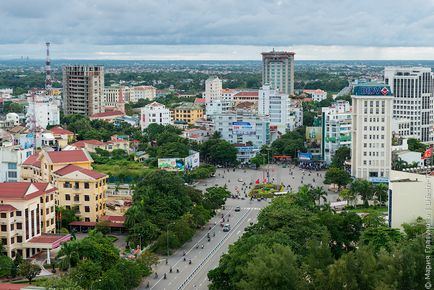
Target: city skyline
[[227, 30]]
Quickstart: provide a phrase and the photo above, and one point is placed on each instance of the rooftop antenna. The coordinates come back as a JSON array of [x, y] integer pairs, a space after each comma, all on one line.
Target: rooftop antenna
[[48, 69]]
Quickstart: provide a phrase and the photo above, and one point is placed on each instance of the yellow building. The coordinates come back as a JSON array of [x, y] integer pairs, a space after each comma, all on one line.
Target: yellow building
[[83, 189], [71, 172], [187, 113], [27, 210]]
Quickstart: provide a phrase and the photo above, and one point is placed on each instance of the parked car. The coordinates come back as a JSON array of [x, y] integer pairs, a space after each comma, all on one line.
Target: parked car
[[238, 208]]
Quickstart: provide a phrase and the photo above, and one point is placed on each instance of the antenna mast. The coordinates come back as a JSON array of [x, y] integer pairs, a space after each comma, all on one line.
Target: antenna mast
[[48, 70]]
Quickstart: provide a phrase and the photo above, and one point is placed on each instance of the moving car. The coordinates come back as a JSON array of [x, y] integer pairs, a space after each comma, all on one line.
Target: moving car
[[238, 208], [226, 227]]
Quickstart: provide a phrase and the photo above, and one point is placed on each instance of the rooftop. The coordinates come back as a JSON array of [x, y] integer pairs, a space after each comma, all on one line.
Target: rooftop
[[24, 190], [82, 143], [73, 168], [247, 94], [60, 131], [188, 106], [68, 156], [107, 114]]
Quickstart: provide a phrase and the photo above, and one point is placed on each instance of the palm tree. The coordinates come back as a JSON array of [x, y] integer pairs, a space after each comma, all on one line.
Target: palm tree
[[381, 193], [348, 195], [69, 255], [319, 193]]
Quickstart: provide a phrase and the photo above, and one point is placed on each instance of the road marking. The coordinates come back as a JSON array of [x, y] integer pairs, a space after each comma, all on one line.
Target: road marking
[[213, 252]]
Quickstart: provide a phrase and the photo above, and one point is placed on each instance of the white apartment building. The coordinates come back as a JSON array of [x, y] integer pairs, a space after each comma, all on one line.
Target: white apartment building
[[83, 89], [213, 89], [6, 93], [11, 158], [283, 112], [336, 129], [141, 92], [412, 88], [42, 111], [372, 131], [278, 70], [241, 127], [408, 198], [316, 95], [154, 113], [213, 96]]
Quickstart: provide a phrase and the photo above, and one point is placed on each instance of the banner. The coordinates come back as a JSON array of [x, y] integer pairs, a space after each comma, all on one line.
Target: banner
[[243, 128], [171, 164]]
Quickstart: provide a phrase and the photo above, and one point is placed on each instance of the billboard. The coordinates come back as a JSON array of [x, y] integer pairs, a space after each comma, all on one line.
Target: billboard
[[313, 134], [192, 161], [304, 156], [171, 164], [243, 128]]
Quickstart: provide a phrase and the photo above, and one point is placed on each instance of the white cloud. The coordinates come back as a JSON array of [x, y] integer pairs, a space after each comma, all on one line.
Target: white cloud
[[345, 27]]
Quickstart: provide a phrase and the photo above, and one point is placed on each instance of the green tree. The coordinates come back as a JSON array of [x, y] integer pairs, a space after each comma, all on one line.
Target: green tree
[[272, 268], [381, 193], [103, 227], [380, 238], [28, 270], [337, 176], [364, 189], [6, 266], [68, 216], [86, 272], [341, 155], [124, 274], [215, 197], [219, 152], [348, 195]]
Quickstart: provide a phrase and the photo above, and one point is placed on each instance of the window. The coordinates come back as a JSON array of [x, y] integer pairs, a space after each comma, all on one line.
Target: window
[[12, 174], [86, 185], [12, 166], [19, 226], [86, 198], [76, 185], [67, 185], [67, 197], [19, 239], [12, 240], [12, 214], [86, 209], [18, 213], [4, 228], [3, 215], [12, 227]]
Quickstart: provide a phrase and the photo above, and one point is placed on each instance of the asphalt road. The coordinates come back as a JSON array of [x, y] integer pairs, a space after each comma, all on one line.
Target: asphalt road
[[194, 275]]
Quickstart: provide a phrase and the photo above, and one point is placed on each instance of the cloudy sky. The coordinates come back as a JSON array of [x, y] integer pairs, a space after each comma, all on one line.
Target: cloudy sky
[[217, 29]]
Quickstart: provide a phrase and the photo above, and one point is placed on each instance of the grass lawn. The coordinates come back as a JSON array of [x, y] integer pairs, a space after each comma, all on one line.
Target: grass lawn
[[125, 169], [370, 210], [265, 190]]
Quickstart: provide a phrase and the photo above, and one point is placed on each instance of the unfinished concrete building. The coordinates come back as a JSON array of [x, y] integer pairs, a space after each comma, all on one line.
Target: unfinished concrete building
[[83, 89]]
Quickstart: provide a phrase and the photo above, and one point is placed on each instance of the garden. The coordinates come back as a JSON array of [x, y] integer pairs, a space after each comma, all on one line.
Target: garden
[[266, 190]]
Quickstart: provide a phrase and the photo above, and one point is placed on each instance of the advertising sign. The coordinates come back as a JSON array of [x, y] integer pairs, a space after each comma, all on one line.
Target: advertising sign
[[192, 161], [372, 90], [304, 156], [243, 128], [313, 134], [171, 164]]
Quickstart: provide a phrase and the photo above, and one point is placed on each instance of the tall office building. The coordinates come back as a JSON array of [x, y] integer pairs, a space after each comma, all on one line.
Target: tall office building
[[83, 89], [278, 70], [412, 88], [372, 131]]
